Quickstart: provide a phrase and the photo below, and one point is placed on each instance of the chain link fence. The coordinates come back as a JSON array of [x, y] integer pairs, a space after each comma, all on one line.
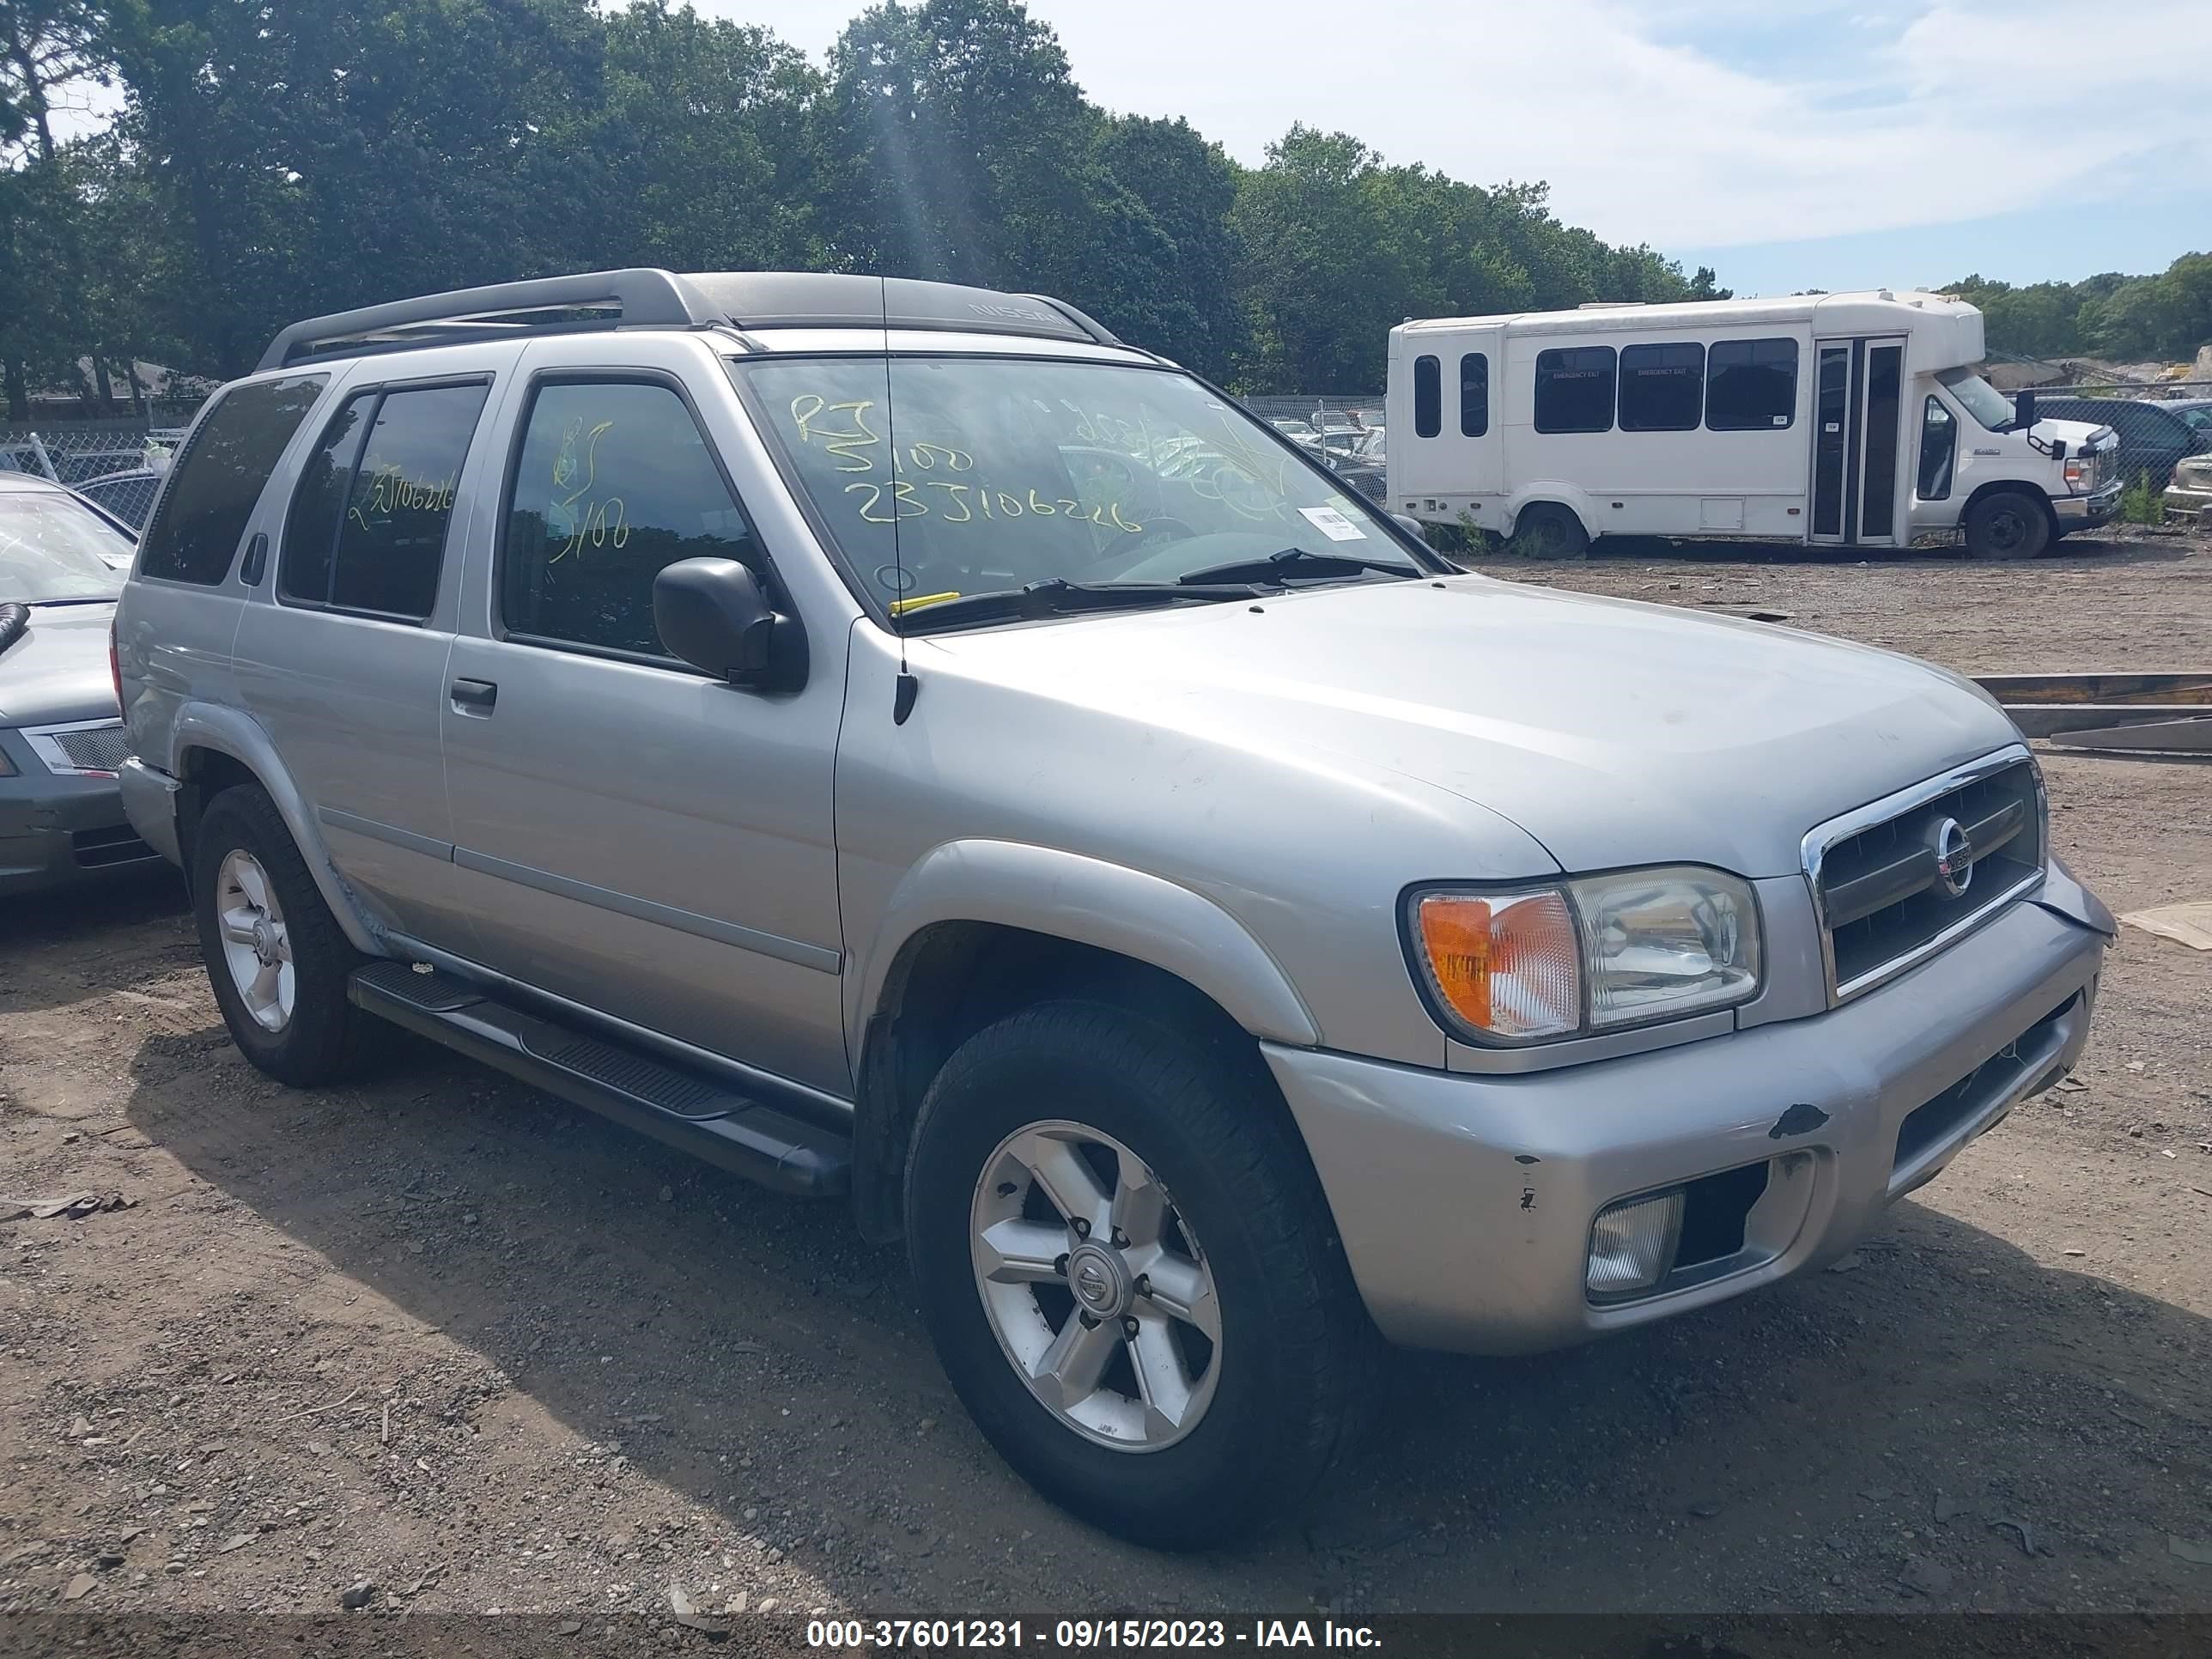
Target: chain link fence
[[117, 464]]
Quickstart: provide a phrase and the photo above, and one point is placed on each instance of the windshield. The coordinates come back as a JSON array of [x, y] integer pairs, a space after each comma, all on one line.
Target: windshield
[[1008, 473], [1981, 400], [54, 548]]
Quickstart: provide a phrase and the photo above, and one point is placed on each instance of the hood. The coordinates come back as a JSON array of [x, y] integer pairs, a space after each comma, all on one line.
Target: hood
[[2077, 435], [1612, 732], [57, 670]]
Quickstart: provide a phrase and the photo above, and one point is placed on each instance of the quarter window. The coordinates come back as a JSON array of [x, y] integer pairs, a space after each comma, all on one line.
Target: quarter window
[[614, 481], [367, 527], [1428, 398], [203, 514], [1751, 384], [1473, 395], [1661, 386], [1574, 389]]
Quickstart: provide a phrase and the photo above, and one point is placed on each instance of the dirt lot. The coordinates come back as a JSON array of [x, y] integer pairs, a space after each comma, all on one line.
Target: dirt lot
[[444, 1336]]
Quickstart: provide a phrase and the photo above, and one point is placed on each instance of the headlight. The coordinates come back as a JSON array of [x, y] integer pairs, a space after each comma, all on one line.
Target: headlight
[[1535, 964], [2081, 473]]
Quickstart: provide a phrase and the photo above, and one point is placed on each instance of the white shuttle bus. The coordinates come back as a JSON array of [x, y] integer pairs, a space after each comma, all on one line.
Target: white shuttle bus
[[1844, 420]]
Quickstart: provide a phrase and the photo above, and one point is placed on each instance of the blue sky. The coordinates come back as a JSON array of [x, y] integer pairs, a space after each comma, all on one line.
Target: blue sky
[[1787, 144]]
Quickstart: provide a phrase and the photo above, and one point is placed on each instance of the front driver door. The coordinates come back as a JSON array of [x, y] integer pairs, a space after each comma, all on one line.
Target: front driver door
[[631, 834]]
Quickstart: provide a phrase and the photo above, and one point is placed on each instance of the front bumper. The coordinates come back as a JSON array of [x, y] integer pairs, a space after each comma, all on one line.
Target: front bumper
[[1464, 1202], [2183, 502], [56, 831], [2082, 511]]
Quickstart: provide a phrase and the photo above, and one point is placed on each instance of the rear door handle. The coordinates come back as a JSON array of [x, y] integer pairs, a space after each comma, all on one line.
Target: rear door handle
[[473, 696]]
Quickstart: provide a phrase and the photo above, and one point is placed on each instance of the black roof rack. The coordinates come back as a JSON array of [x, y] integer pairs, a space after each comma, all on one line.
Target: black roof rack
[[650, 298]]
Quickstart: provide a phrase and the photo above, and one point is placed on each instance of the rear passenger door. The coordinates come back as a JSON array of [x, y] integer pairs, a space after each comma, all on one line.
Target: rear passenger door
[[632, 834], [342, 655]]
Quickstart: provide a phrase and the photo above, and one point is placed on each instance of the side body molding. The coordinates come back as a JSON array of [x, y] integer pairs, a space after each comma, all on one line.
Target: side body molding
[[234, 732], [1085, 901]]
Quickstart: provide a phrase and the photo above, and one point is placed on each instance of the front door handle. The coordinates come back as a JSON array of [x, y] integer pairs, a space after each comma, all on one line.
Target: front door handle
[[473, 696]]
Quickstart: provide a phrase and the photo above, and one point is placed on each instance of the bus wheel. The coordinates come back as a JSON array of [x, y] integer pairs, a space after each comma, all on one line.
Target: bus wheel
[[1546, 530], [2011, 524]]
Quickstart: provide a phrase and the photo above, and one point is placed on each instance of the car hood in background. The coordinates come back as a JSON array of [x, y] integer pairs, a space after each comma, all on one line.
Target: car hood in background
[[1612, 732], [57, 670]]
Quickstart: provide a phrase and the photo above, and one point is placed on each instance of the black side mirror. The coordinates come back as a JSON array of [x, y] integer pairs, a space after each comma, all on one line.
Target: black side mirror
[[714, 614], [1412, 526], [2023, 408]]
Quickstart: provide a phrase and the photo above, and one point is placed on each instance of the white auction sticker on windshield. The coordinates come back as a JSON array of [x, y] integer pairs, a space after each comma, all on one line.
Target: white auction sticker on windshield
[[1332, 523]]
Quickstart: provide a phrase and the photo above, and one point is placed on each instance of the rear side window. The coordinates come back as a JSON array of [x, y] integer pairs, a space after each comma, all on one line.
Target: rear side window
[[1574, 389], [613, 481], [1662, 387], [1428, 398], [195, 533], [1751, 384], [368, 522], [1473, 395]]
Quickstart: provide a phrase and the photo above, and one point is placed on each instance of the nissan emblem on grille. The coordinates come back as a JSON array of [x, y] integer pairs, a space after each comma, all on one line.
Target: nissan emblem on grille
[[1955, 859]]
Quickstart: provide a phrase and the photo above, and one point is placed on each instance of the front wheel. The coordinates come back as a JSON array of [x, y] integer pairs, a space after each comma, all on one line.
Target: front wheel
[[1129, 1272], [2007, 525]]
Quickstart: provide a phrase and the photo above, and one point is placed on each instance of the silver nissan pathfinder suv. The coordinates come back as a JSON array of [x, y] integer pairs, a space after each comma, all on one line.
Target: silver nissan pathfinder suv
[[901, 743]]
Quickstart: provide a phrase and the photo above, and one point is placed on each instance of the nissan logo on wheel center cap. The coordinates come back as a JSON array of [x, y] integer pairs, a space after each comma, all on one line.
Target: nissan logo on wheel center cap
[[1099, 1282], [1955, 859]]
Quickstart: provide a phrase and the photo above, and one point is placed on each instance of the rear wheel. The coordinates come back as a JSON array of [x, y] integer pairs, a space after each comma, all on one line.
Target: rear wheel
[[276, 958], [1130, 1275], [1545, 530], [2010, 524]]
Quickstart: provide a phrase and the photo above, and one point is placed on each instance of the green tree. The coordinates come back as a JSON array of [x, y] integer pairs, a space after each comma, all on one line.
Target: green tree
[[703, 150]]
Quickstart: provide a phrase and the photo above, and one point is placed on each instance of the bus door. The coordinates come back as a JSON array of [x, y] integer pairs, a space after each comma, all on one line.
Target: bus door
[[1858, 400]]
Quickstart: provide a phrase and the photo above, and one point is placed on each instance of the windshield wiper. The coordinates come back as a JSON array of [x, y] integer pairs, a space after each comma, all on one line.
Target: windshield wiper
[[1280, 567], [1056, 598]]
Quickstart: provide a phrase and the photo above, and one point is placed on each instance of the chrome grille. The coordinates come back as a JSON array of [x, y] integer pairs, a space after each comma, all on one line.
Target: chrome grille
[[1893, 887], [87, 746]]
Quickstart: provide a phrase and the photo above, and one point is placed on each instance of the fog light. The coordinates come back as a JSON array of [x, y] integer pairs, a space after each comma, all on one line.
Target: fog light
[[1632, 1244]]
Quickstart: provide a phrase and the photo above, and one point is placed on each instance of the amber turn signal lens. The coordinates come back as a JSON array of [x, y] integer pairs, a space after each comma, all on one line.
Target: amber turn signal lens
[[1507, 965]]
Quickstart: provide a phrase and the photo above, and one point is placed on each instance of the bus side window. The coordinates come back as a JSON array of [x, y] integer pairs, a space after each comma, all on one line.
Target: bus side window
[[1428, 398], [1473, 395]]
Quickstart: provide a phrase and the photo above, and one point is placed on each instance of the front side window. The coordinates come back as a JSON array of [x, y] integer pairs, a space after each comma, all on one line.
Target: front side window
[[225, 463], [1003, 474], [1574, 389], [1939, 451], [1428, 398], [1661, 386], [614, 482], [367, 527], [54, 549], [1474, 394], [1751, 386]]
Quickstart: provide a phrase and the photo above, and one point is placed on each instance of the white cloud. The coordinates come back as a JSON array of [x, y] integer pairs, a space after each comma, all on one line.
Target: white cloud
[[1679, 121]]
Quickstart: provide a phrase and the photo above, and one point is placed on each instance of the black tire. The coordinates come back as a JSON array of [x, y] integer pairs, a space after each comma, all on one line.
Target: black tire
[[1545, 530], [322, 1042], [2007, 524], [1296, 1359]]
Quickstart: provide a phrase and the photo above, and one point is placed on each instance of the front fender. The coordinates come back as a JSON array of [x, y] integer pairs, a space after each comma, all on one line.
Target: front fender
[[1085, 901], [233, 732]]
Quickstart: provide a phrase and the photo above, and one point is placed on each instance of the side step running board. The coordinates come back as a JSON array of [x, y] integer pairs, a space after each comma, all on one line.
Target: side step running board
[[690, 1113]]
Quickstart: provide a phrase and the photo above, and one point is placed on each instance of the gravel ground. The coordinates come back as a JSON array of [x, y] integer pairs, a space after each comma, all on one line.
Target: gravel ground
[[439, 1344]]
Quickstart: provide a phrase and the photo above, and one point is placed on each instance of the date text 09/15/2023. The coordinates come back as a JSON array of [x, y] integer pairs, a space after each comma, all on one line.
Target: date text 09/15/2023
[[1082, 1635]]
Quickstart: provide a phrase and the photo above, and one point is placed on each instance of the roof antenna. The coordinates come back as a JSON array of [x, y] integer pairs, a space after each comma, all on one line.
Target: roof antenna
[[907, 688]]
